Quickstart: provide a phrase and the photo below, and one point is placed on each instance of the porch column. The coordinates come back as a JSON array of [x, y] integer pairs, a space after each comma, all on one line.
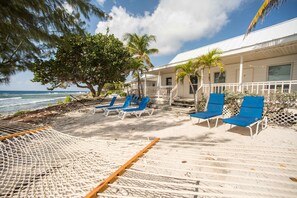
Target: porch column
[[145, 86], [158, 84], [201, 82], [176, 93], [240, 73]]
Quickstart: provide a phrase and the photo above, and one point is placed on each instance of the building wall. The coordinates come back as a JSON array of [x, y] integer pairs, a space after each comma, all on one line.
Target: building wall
[[183, 89], [164, 76], [255, 71], [134, 85]]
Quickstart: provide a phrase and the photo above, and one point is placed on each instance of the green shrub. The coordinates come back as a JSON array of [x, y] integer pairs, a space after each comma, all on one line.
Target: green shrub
[[68, 99], [19, 113], [59, 102], [109, 92], [123, 94]]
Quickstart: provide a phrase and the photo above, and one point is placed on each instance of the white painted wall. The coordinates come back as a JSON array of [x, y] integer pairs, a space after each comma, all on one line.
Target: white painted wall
[[164, 76], [254, 71]]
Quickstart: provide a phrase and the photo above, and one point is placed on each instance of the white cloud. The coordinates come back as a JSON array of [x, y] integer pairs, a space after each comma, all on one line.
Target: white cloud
[[172, 22], [101, 2], [68, 7]]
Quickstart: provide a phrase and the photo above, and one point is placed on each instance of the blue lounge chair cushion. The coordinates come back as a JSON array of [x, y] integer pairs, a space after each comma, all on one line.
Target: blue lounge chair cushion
[[105, 106], [252, 106], [115, 107], [125, 105], [214, 107], [141, 107], [250, 111], [241, 120], [132, 109], [205, 115]]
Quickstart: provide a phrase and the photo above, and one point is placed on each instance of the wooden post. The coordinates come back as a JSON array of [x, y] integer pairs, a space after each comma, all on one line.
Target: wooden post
[[23, 133], [104, 185], [145, 86], [240, 74]]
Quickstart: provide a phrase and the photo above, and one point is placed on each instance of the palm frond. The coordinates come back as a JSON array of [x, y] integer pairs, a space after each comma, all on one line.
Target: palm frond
[[265, 8]]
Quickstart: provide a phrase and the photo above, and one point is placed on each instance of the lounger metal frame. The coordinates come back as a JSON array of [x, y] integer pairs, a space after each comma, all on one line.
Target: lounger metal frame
[[263, 121], [122, 114], [209, 119]]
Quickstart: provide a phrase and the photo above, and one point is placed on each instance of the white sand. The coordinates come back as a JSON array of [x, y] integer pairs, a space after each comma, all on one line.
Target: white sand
[[168, 125], [251, 161]]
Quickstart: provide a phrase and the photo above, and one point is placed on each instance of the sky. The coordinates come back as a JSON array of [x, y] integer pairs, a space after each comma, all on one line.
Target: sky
[[178, 25]]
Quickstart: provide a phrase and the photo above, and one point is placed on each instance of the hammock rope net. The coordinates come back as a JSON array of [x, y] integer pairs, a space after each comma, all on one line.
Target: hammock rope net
[[52, 164], [48, 163]]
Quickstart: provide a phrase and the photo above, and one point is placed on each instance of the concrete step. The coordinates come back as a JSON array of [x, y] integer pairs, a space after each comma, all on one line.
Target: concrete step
[[184, 100], [182, 104], [184, 110]]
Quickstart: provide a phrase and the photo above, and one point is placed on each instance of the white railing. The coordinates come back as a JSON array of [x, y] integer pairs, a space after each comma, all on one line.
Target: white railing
[[173, 91], [159, 92], [263, 88]]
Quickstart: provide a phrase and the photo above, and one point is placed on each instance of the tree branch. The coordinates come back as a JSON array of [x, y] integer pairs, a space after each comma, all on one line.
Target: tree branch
[[80, 86]]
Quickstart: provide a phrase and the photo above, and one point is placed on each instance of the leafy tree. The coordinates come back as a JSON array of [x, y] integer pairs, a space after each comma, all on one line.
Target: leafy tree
[[29, 29], [139, 48], [187, 70], [209, 60], [265, 8], [85, 61]]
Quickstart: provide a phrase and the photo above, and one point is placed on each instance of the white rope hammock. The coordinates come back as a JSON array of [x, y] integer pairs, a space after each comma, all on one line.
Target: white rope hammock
[[48, 163], [51, 164], [191, 169]]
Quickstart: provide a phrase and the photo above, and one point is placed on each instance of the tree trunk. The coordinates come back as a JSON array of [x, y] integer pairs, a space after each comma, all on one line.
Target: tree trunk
[[138, 81], [194, 93], [209, 81], [91, 88], [99, 89], [142, 91]]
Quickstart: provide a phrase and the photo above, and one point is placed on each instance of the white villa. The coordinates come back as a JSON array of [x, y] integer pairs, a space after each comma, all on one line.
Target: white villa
[[264, 62]]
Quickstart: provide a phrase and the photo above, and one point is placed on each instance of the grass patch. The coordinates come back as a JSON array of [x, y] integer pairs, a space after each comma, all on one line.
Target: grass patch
[[19, 113]]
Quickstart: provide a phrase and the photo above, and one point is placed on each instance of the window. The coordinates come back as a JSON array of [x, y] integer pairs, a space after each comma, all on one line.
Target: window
[[169, 81], [279, 72], [219, 77], [194, 81]]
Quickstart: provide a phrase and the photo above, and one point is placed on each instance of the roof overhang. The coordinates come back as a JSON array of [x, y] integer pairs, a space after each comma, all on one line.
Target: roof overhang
[[271, 49], [274, 41]]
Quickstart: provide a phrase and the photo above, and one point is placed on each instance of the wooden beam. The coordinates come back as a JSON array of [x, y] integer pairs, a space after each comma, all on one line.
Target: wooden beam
[[104, 185], [23, 133]]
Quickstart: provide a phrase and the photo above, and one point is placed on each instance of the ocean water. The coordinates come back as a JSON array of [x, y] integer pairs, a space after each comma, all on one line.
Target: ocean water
[[13, 101]]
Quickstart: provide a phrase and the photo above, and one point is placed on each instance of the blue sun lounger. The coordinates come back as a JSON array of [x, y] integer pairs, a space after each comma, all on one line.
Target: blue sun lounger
[[138, 110], [250, 114], [117, 108], [214, 109], [135, 99], [106, 106]]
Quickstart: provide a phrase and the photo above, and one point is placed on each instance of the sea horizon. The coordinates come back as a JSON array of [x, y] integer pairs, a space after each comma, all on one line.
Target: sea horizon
[[12, 101]]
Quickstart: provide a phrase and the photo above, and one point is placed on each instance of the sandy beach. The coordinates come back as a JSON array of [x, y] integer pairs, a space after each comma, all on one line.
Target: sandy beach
[[79, 120], [227, 163], [170, 125]]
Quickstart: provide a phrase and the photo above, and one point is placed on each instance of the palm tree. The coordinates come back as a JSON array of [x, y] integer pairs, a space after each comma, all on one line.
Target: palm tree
[[138, 68], [209, 60], [267, 6], [139, 48], [187, 70]]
